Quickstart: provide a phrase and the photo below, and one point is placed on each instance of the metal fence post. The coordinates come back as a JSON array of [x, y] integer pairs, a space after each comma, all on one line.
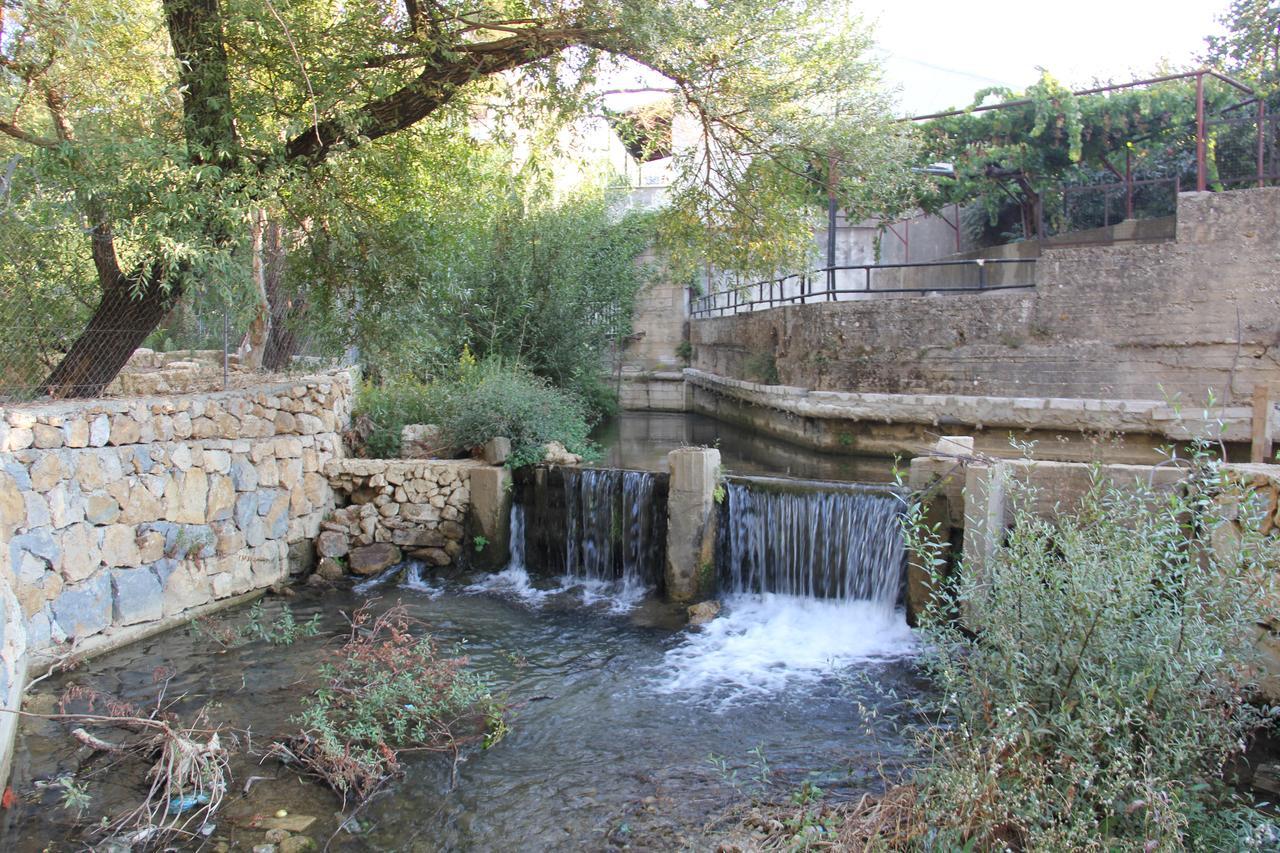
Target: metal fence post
[[226, 334], [1202, 182]]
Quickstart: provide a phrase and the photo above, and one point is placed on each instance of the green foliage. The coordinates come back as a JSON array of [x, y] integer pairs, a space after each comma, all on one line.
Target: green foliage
[[1250, 47], [385, 143], [481, 401], [553, 289], [284, 630], [480, 543], [1105, 681], [75, 795], [684, 351], [762, 367], [385, 691], [1056, 138]]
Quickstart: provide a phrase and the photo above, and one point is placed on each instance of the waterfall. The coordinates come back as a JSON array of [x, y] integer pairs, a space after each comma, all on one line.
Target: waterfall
[[515, 550], [814, 540], [615, 526], [810, 577]]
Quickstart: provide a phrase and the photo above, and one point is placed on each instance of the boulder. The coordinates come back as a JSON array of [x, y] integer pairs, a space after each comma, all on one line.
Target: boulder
[[557, 454], [331, 544], [373, 559], [703, 612], [432, 556], [330, 569]]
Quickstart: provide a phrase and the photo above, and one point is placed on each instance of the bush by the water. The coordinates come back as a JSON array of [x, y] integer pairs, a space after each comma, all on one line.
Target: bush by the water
[[1100, 682], [482, 400], [389, 690]]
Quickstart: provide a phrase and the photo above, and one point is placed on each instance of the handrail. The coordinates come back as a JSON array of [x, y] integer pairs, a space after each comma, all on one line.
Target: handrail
[[733, 297], [1097, 90]]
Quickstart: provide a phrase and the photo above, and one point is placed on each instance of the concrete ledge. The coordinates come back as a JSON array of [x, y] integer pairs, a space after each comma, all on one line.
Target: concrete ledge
[[119, 637], [1151, 417]]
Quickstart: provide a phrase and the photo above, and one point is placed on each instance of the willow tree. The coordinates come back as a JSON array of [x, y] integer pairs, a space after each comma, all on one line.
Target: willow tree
[[171, 122]]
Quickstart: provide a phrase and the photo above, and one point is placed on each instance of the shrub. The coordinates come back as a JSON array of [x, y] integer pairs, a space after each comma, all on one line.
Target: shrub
[[483, 400], [387, 691], [1105, 681]]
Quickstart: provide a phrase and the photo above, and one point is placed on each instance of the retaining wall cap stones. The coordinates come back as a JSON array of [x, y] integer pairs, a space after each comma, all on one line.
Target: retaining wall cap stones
[[1073, 414], [170, 402], [408, 467]]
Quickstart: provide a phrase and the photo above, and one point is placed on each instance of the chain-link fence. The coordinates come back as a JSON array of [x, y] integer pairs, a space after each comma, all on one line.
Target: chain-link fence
[[74, 322]]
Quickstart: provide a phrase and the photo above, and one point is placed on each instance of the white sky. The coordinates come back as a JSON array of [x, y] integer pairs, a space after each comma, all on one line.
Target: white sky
[[939, 53]]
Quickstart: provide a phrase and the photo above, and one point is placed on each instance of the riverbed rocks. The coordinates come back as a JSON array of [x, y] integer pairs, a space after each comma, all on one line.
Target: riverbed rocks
[[416, 507], [373, 559], [703, 612]]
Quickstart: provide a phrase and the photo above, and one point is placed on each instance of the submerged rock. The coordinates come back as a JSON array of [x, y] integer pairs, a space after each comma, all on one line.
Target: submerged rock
[[703, 612]]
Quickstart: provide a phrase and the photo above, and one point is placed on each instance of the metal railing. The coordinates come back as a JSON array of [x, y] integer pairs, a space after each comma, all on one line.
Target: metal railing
[[863, 281]]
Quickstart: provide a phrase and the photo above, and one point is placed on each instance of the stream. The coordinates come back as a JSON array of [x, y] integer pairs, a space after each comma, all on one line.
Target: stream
[[627, 729]]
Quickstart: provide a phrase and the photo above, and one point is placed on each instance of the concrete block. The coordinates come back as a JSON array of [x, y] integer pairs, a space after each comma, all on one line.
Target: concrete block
[[691, 517]]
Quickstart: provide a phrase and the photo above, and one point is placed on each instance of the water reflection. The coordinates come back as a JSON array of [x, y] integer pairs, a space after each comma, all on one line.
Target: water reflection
[[643, 439]]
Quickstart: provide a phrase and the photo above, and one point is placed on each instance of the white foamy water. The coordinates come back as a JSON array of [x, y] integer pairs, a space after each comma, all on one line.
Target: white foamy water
[[411, 576], [762, 644], [514, 582]]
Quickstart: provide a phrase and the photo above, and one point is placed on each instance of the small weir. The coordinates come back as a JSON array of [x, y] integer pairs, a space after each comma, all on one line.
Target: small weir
[[811, 539], [810, 577], [595, 525]]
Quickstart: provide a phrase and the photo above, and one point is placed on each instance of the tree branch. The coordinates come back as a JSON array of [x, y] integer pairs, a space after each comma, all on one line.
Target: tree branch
[[441, 79], [9, 129]]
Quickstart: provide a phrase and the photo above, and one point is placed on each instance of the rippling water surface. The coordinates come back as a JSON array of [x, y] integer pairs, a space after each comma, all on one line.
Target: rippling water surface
[[625, 729]]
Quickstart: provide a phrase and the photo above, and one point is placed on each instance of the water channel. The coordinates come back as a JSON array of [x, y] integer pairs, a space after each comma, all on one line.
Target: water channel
[[627, 730]]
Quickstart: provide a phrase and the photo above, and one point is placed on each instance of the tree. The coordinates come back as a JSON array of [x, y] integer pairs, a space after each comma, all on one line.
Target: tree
[[1250, 47], [173, 121]]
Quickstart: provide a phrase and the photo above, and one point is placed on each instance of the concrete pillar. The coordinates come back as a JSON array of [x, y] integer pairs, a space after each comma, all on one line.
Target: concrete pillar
[[491, 516], [984, 516], [691, 523], [937, 484]]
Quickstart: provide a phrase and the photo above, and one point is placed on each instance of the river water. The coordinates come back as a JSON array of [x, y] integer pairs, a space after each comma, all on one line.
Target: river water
[[627, 729]]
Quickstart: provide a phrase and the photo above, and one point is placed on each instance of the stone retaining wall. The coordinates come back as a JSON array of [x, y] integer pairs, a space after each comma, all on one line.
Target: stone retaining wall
[[117, 513], [1132, 321], [399, 508]]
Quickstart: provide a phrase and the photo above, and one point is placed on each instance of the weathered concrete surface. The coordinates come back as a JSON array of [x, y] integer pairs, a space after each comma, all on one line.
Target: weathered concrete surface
[[1115, 322], [654, 391], [691, 522], [1065, 428], [491, 490], [659, 321]]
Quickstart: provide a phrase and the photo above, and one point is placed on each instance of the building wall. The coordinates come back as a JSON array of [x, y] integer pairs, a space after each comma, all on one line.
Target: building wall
[[659, 321], [1197, 315]]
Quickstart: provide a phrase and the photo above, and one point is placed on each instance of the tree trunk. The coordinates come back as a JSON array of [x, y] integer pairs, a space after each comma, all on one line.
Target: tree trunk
[[119, 325], [288, 309], [255, 339]]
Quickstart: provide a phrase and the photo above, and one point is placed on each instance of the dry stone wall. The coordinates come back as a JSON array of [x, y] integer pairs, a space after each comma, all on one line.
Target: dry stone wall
[[118, 513], [414, 508]]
